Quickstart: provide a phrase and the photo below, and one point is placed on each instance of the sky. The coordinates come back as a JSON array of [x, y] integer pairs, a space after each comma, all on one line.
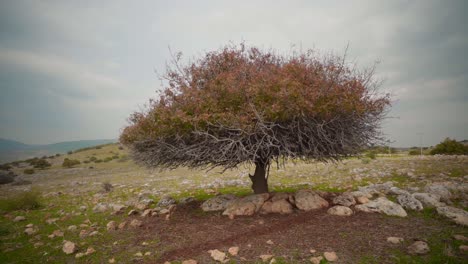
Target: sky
[[75, 70]]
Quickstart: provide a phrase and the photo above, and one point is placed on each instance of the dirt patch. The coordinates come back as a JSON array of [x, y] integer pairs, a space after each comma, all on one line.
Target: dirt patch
[[190, 233]]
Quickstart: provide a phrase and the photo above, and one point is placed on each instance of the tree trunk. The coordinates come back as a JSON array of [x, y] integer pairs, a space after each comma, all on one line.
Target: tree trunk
[[259, 180]]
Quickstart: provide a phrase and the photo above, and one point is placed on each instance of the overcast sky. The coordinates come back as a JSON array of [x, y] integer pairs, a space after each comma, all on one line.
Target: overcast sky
[[72, 70]]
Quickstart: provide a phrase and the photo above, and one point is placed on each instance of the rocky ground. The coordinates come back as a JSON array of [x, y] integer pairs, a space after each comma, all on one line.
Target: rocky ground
[[394, 209]]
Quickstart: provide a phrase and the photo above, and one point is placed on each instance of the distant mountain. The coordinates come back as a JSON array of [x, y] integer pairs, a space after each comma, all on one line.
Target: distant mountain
[[11, 150]]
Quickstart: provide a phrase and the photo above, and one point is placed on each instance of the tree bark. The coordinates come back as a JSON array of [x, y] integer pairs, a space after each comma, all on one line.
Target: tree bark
[[259, 180]]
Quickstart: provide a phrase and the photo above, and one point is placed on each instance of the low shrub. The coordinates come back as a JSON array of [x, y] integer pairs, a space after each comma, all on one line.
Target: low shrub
[[371, 155], [107, 186], [28, 171], [414, 152], [5, 166], [68, 163], [28, 200], [450, 147], [41, 164]]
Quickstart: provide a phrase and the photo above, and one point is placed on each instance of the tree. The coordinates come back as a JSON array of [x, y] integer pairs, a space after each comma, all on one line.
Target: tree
[[450, 147], [243, 105]]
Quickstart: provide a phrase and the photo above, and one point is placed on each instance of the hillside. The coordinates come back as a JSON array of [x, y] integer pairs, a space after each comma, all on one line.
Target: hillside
[[13, 150]]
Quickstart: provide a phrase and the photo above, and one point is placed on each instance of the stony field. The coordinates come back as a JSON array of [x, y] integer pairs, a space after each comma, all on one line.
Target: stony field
[[392, 209]]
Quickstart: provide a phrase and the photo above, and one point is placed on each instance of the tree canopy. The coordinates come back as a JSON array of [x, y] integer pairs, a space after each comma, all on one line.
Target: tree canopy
[[238, 105]]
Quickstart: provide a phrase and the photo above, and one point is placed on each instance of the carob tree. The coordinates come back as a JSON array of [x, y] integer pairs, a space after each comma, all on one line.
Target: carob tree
[[242, 105]]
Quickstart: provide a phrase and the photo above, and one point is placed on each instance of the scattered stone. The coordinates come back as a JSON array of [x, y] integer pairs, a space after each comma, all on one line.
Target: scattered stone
[[38, 244], [395, 240], [79, 255], [233, 251], [51, 220], [330, 256], [440, 191], [122, 225], [83, 233], [163, 211], [313, 251], [166, 201], [189, 261], [83, 208], [69, 247], [218, 203], [397, 191], [147, 253], [217, 255], [118, 208], [112, 225], [457, 215], [418, 248], [307, 200], [132, 212], [382, 205], [138, 254], [141, 206], [19, 218], [147, 212], [30, 231], [247, 206], [270, 242], [187, 200], [428, 200], [90, 251], [362, 199], [93, 233], [29, 225], [345, 199], [463, 248], [340, 210], [316, 260], [376, 188], [460, 238], [409, 202], [266, 258], [112, 260], [100, 208], [136, 223], [278, 206]]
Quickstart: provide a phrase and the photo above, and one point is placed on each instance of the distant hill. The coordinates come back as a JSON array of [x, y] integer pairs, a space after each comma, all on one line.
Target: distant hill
[[11, 150]]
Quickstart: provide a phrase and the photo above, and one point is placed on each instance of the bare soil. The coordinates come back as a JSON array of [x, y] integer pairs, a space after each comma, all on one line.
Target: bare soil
[[190, 233]]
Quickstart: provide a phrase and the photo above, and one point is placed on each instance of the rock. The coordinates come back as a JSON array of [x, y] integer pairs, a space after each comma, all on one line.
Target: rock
[[138, 254], [376, 188], [316, 260], [122, 225], [79, 255], [395, 240], [270, 242], [278, 206], [83, 233], [187, 200], [30, 231], [463, 248], [345, 199], [83, 208], [418, 248], [118, 208], [409, 202], [340, 210], [233, 251], [93, 233], [330, 256], [189, 261], [141, 207], [100, 208], [19, 218], [164, 211], [384, 206], [248, 205], [90, 251], [266, 258], [217, 255], [457, 215], [132, 212], [112, 225], [439, 190], [307, 200], [313, 251], [57, 233], [218, 203], [460, 238], [112, 260], [6, 177], [51, 220], [397, 191], [69, 247], [356, 194], [29, 225], [362, 199], [166, 201], [428, 200], [136, 223], [147, 212]]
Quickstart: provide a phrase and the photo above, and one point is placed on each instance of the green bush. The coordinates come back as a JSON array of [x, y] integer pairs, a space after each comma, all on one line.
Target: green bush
[[70, 152], [366, 160], [28, 171], [5, 166], [23, 201], [68, 163], [371, 155], [41, 164], [414, 152], [450, 147]]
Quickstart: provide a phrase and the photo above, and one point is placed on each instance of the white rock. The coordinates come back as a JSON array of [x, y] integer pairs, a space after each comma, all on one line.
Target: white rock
[[233, 251], [19, 218], [330, 256], [30, 231], [345, 199], [308, 200], [218, 203], [340, 210], [428, 200], [457, 215], [136, 223], [382, 205], [189, 261], [418, 248], [266, 257], [112, 225], [277, 206], [439, 190], [316, 260], [409, 202], [69, 247], [395, 240], [217, 255], [248, 205]]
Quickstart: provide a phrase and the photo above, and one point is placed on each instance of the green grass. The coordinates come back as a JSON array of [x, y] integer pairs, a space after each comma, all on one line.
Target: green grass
[[28, 200]]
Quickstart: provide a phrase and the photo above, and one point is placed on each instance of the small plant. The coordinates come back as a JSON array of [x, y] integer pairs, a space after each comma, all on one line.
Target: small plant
[[365, 160], [68, 163], [41, 164], [70, 152], [414, 152], [5, 166], [23, 201], [29, 171], [371, 155], [107, 186]]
